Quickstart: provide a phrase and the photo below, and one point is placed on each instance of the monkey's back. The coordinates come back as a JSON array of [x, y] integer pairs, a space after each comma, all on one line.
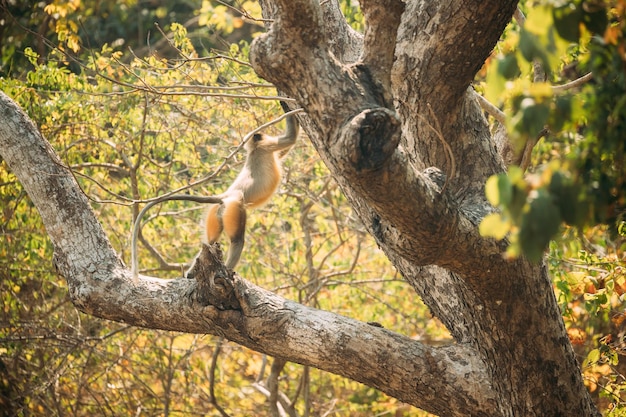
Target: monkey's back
[[259, 179]]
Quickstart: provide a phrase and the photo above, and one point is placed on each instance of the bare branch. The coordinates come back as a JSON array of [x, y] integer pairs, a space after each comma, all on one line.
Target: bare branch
[[490, 108], [573, 84], [524, 157], [216, 353]]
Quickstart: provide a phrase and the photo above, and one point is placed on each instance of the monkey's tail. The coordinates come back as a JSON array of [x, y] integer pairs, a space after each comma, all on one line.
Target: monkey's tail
[[137, 224]]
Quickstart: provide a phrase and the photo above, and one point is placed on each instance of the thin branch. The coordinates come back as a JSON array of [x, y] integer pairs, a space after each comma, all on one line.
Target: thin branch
[[212, 87], [216, 353], [519, 16], [243, 13], [490, 108], [572, 84], [524, 160], [261, 374], [272, 385], [110, 167]]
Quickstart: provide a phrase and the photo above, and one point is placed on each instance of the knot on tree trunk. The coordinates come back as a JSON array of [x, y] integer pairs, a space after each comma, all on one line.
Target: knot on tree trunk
[[215, 281], [370, 138]]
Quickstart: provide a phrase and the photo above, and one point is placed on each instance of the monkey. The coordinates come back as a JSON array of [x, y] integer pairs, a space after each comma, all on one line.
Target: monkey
[[252, 188]]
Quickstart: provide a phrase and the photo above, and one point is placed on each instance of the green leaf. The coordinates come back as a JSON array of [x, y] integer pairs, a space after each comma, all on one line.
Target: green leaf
[[561, 112], [539, 225], [566, 21], [508, 67], [530, 47], [567, 198], [596, 20], [592, 357], [534, 117]]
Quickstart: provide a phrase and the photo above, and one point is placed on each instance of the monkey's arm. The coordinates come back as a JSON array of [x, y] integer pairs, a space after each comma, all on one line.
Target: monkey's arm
[[285, 142], [290, 136], [137, 224]]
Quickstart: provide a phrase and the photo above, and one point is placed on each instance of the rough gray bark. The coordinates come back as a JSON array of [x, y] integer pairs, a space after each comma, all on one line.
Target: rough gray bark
[[384, 156], [391, 116]]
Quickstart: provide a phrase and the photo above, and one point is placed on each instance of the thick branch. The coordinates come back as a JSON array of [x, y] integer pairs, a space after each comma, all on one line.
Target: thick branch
[[440, 47], [382, 19], [343, 42], [442, 380], [357, 138], [452, 40]]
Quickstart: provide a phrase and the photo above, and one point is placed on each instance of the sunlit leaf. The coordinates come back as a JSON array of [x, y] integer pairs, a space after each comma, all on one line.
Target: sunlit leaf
[[493, 225]]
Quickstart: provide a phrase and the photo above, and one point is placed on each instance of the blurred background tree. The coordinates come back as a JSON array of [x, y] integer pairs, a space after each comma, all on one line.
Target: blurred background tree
[[139, 109]]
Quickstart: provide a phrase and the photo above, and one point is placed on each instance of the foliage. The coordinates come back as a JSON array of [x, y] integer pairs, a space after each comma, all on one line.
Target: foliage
[[579, 179], [571, 200], [590, 282], [76, 27]]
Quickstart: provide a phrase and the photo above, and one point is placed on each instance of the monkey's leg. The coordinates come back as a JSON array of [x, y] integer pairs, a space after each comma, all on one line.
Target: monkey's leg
[[234, 221], [214, 227], [214, 224]]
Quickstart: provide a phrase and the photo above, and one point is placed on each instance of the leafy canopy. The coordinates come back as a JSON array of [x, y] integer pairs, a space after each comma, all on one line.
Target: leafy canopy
[[579, 177]]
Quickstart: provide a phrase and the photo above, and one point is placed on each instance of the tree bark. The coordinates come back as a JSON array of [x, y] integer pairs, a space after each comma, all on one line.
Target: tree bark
[[391, 115], [414, 171]]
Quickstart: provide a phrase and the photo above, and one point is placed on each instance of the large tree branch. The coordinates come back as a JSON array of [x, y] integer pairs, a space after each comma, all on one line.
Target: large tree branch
[[443, 44], [444, 380], [440, 47], [357, 136], [345, 43], [382, 19], [397, 185]]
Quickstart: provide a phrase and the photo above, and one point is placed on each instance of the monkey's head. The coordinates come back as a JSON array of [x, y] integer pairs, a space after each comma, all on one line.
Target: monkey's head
[[254, 142]]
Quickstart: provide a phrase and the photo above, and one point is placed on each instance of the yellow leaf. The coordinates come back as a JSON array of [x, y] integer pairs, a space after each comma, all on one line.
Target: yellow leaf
[[493, 225], [491, 190]]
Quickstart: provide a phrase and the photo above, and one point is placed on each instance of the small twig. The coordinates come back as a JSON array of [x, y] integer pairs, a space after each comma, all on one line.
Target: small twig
[[244, 13], [572, 84], [524, 161], [490, 108], [164, 265], [261, 374]]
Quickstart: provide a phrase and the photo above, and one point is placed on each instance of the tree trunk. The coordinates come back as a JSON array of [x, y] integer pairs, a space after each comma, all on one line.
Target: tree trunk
[[392, 115]]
